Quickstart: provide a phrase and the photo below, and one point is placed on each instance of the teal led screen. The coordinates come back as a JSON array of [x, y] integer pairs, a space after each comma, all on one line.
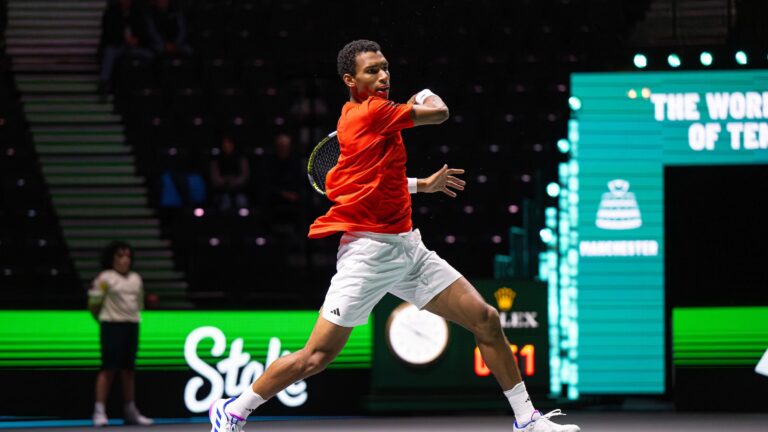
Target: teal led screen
[[625, 129]]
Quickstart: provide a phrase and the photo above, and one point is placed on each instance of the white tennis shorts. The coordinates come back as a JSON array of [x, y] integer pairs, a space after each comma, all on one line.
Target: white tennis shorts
[[369, 265]]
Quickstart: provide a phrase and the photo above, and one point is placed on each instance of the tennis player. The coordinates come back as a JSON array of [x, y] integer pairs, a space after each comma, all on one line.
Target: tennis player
[[380, 252]]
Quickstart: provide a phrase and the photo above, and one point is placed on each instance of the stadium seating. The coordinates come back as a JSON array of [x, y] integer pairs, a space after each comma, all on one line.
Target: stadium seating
[[263, 67], [34, 264]]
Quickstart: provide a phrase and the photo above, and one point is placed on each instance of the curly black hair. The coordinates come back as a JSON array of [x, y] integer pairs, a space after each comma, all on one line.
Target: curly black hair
[[109, 251], [346, 61]]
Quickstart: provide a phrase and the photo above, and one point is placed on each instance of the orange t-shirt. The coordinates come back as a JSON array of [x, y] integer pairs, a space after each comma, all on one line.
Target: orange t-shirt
[[368, 186]]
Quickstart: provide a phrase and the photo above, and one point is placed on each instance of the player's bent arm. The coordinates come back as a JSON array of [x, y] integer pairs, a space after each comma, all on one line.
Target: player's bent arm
[[431, 110], [426, 115]]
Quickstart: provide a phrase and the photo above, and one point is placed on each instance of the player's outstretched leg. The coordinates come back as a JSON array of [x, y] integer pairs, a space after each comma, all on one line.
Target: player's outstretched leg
[[324, 344], [462, 304]]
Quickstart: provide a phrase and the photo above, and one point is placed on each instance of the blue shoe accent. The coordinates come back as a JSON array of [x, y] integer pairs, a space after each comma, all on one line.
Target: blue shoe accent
[[223, 420], [517, 426], [232, 399]]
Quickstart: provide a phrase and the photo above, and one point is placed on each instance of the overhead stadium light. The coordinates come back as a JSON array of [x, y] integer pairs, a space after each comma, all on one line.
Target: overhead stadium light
[[673, 60], [741, 58], [641, 61], [547, 235], [553, 189], [706, 58], [575, 103]]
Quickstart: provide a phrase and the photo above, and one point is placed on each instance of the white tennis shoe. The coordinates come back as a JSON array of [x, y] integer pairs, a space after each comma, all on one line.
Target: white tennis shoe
[[100, 419], [542, 423], [221, 421], [134, 417]]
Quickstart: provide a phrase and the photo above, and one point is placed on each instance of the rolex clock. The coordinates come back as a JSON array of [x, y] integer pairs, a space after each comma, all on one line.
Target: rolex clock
[[417, 338]]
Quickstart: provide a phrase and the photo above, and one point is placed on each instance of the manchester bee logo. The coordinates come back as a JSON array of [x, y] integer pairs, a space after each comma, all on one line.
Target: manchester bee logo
[[505, 298]]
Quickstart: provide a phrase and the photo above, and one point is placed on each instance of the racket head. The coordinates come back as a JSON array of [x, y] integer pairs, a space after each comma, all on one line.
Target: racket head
[[323, 158]]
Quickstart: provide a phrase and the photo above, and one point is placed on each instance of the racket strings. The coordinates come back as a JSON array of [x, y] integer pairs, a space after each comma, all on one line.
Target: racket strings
[[325, 158]]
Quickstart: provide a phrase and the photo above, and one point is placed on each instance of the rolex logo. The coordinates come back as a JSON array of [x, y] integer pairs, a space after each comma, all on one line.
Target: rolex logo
[[505, 297]]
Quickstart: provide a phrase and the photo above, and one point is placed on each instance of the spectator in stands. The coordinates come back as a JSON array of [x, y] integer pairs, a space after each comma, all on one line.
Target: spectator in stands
[[123, 33], [115, 300], [230, 176], [181, 184], [167, 29], [283, 187], [284, 182], [285, 173]]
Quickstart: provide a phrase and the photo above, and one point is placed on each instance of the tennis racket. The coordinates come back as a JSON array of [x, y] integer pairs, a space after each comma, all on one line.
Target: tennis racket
[[324, 156]]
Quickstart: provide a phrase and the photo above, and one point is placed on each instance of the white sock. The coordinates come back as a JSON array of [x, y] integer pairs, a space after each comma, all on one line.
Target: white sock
[[99, 408], [246, 403], [521, 403]]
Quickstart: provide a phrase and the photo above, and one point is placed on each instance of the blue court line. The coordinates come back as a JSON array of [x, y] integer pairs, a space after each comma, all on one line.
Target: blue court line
[[8, 422]]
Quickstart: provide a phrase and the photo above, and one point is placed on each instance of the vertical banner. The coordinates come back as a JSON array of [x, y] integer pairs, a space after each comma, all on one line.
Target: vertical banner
[[630, 127]]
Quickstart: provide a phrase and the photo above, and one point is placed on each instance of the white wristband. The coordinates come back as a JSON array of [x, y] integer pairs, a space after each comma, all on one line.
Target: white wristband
[[422, 96], [413, 185]]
